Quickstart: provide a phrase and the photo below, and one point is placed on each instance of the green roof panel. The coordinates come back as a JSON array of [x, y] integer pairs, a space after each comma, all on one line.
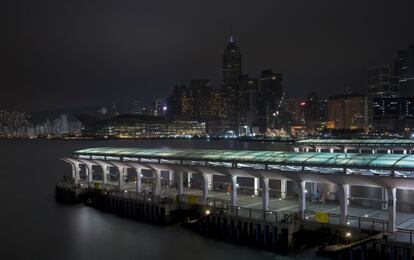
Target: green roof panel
[[351, 160]]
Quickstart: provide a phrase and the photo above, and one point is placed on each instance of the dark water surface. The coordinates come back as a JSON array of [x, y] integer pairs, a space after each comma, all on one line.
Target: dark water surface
[[34, 226]]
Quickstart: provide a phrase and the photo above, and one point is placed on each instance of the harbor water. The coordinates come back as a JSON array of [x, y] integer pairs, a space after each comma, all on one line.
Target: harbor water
[[34, 226]]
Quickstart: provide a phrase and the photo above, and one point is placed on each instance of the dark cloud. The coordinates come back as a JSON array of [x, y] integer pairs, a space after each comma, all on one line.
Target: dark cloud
[[74, 53]]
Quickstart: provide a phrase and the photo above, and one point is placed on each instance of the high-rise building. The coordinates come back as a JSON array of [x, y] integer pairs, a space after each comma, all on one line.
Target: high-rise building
[[201, 92], [269, 99], [218, 122], [232, 69], [382, 82], [404, 69], [323, 110], [216, 105], [232, 64], [158, 108], [348, 111], [64, 124], [291, 115], [393, 113], [311, 110], [247, 104], [138, 107], [187, 104], [174, 101], [13, 122]]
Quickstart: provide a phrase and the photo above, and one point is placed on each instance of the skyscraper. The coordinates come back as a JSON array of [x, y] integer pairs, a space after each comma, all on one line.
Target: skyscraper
[[64, 124], [269, 99], [348, 111], [246, 105], [175, 101], [232, 69], [311, 112], [404, 69], [201, 92], [382, 82]]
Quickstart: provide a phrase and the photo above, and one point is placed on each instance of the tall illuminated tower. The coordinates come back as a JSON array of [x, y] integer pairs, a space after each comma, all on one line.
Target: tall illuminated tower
[[232, 70]]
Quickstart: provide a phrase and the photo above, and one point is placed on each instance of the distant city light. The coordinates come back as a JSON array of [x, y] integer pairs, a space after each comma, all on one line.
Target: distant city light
[[164, 108]]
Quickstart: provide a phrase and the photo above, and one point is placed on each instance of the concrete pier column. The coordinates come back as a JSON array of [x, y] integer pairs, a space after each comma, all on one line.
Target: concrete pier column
[[265, 193], [404, 151], [233, 194], [384, 197], [343, 192], [170, 177], [121, 172], [307, 150], [359, 150], [345, 150], [139, 179], [331, 150], [75, 167], [389, 151], [318, 150], [75, 172], [104, 176], [205, 188], [374, 151], [256, 186], [348, 192], [392, 212], [283, 188], [210, 181], [313, 188], [189, 177], [296, 149], [301, 199], [105, 170], [90, 173], [157, 182], [180, 183]]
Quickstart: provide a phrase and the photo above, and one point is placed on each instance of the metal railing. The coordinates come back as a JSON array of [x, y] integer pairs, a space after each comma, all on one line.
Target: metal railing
[[70, 184], [365, 223], [257, 214], [403, 235], [223, 207], [217, 203], [141, 196]]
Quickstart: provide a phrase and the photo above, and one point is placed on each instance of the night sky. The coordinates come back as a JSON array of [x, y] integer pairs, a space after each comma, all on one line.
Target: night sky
[[63, 54]]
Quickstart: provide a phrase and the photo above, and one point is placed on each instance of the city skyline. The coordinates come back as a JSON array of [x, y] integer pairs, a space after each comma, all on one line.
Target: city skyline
[[211, 129], [51, 63]]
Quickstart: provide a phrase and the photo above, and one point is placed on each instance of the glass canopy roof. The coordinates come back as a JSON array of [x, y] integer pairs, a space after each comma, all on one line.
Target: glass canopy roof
[[358, 142], [347, 160]]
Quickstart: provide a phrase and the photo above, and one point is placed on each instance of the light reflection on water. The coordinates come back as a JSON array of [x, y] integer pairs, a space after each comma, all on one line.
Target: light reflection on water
[[34, 226]]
